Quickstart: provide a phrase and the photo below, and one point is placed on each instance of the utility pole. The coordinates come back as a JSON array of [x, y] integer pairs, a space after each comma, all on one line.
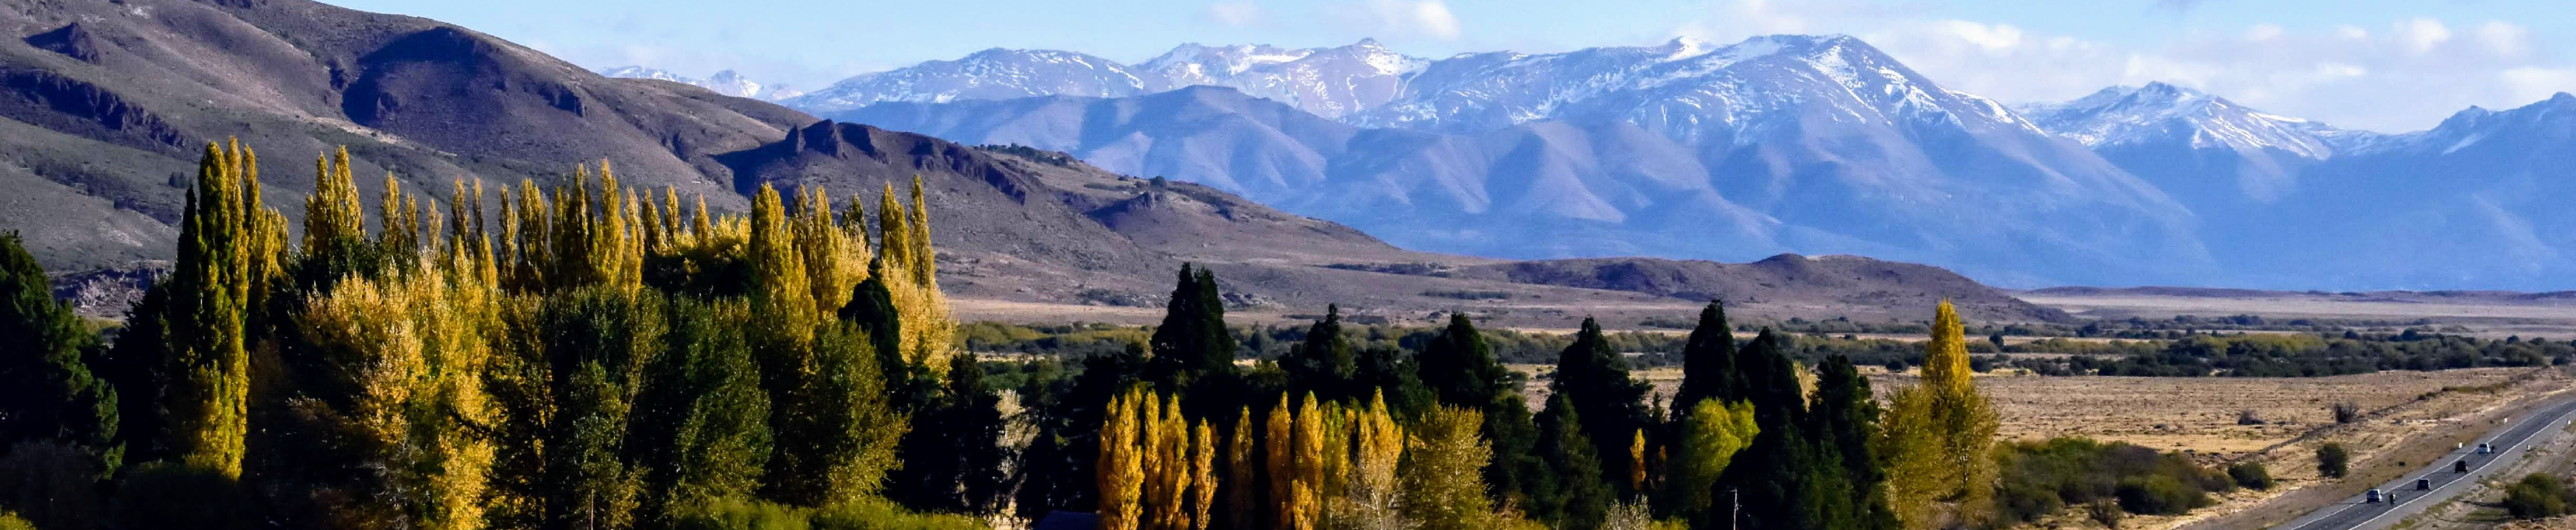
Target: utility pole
[[1736, 498]]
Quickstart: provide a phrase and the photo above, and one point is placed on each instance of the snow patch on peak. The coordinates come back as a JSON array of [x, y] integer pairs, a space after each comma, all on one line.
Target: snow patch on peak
[[2163, 112], [725, 82]]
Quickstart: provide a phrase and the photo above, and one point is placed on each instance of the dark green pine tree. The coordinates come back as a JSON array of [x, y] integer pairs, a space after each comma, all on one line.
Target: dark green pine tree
[[46, 389], [871, 309], [1709, 368], [1192, 343], [1518, 474], [1057, 468], [953, 463], [1771, 381], [1459, 367], [1576, 496], [1796, 474], [701, 420], [1592, 376], [1391, 369], [1842, 420], [1324, 363]]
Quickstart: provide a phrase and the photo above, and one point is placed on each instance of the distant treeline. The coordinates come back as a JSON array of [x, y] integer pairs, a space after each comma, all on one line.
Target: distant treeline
[[2128, 328], [2203, 353]]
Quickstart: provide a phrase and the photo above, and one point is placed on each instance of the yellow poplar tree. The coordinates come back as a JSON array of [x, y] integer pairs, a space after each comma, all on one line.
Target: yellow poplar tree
[[1443, 479], [1203, 483], [779, 292], [1243, 491], [1121, 468], [1938, 437], [1711, 436], [1281, 448], [1305, 499], [228, 247]]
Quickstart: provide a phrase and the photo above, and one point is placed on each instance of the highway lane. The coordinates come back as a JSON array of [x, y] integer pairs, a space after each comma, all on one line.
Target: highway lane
[[2509, 442]]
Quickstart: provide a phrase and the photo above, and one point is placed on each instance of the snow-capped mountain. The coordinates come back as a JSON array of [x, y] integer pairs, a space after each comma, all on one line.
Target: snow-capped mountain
[[725, 82], [1329, 82], [2203, 149], [1197, 64], [1820, 144], [990, 74], [2160, 112], [1326, 81], [1815, 145]]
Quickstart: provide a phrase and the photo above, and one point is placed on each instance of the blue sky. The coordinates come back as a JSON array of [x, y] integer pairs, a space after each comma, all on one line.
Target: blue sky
[[2375, 64]]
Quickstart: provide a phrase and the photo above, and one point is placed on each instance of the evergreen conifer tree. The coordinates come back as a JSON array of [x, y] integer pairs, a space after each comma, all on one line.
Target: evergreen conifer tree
[[1709, 368], [1324, 363], [1594, 379], [1580, 498], [46, 389], [1458, 366], [1844, 422], [1192, 345]]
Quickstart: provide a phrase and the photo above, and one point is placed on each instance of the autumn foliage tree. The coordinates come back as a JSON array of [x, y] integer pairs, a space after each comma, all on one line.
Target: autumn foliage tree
[[591, 355], [1937, 435]]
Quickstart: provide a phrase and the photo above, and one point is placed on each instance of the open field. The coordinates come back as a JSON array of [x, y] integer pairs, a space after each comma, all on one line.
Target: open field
[[2198, 414], [2496, 314]]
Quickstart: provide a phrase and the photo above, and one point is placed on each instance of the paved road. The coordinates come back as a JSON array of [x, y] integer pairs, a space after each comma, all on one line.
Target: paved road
[[2509, 441]]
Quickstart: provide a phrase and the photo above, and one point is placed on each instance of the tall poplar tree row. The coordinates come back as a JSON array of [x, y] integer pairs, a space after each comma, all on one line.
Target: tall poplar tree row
[[595, 359], [1157, 469], [228, 253]]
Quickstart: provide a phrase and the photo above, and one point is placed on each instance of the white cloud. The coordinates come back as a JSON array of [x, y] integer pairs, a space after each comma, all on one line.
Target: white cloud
[[2407, 78], [2422, 34], [1428, 18], [2534, 83], [1236, 13], [2505, 38], [1993, 38]]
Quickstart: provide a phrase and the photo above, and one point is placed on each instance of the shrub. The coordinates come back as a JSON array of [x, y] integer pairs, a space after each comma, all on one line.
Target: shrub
[[2347, 412], [2040, 479], [2538, 495], [2159, 495], [2247, 417], [863, 514], [51, 484], [881, 514], [10, 521], [737, 514], [2104, 512], [2333, 461], [168, 495], [2250, 475]]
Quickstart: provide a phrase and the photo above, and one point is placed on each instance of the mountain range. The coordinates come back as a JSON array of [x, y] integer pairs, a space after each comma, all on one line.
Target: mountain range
[[1787, 143], [105, 107], [725, 82]]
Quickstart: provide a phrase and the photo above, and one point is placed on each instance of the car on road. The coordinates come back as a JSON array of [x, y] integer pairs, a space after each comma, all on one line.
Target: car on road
[[2372, 497]]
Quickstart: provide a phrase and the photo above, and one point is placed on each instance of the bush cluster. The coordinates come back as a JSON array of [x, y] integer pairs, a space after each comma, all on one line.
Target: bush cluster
[[2043, 478]]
